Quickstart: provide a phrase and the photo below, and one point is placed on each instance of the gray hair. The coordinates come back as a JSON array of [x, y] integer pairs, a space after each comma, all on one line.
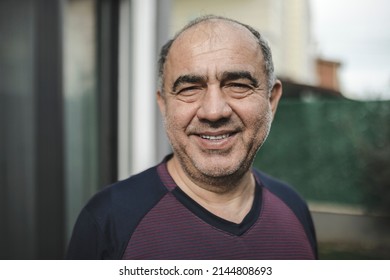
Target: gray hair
[[268, 65]]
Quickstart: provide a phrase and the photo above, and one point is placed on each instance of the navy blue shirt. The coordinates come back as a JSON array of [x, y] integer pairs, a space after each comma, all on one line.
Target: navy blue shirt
[[149, 217]]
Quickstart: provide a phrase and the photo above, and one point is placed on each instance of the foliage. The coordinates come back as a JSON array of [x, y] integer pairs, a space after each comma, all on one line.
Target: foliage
[[332, 150]]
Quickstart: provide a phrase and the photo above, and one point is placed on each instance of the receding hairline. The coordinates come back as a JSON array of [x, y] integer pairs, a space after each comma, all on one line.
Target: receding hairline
[[213, 19]]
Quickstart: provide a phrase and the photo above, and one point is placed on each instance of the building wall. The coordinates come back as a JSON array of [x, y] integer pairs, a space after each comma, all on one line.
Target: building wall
[[298, 58], [327, 72]]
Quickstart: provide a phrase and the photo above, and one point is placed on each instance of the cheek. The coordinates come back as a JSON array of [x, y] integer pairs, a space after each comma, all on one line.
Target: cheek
[[255, 114], [178, 116]]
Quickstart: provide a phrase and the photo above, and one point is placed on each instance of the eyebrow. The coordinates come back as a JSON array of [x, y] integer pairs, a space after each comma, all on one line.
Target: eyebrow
[[237, 75], [226, 76], [188, 79]]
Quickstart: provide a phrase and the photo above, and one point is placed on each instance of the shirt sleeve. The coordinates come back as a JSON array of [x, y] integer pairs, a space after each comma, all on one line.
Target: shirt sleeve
[[86, 240]]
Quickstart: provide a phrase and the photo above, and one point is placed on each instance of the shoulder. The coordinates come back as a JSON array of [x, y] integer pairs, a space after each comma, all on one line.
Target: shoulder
[[125, 195], [280, 188], [109, 218], [283, 191], [126, 202], [293, 200]]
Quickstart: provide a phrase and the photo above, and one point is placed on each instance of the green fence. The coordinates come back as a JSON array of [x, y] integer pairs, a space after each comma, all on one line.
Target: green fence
[[331, 150]]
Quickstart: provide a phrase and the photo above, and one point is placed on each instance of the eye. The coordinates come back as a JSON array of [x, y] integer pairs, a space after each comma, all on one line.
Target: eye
[[189, 93], [238, 89], [190, 90]]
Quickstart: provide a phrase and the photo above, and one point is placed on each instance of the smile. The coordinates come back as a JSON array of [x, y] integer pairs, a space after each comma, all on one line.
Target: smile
[[215, 137]]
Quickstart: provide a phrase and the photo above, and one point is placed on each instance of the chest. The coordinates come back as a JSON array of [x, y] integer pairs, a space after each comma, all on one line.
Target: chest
[[173, 231]]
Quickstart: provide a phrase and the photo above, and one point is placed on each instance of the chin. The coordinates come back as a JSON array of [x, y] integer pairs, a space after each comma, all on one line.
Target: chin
[[219, 169]]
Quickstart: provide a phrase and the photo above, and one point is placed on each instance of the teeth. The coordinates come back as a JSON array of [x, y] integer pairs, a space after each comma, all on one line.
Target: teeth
[[217, 137]]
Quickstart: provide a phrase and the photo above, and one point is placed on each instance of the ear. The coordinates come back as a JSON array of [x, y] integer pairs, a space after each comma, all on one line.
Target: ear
[[161, 102], [276, 94]]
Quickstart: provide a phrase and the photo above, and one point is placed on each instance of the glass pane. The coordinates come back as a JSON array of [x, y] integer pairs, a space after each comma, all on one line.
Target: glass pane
[[80, 105]]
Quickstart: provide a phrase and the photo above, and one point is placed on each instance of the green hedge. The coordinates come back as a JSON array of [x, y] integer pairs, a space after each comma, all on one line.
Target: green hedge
[[331, 150]]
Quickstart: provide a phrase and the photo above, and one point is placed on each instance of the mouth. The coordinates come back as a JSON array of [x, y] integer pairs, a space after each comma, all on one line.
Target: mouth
[[216, 141], [215, 137]]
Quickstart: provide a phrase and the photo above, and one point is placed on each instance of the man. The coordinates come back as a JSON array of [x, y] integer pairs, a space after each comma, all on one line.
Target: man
[[218, 95]]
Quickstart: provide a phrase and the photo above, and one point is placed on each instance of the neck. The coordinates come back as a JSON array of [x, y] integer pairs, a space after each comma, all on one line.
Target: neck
[[231, 203]]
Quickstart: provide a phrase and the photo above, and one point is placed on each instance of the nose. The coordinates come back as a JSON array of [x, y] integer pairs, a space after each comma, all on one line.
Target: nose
[[214, 105]]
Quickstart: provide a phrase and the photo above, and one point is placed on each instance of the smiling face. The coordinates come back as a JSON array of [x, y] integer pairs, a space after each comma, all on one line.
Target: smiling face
[[216, 106]]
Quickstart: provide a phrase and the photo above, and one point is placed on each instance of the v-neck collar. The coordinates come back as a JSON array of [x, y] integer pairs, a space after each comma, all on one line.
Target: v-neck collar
[[207, 216]]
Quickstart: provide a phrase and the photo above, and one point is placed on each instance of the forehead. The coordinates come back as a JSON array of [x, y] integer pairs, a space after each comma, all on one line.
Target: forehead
[[215, 29], [221, 43]]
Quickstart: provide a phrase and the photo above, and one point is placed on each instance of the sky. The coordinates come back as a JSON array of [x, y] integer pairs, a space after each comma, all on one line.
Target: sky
[[357, 34]]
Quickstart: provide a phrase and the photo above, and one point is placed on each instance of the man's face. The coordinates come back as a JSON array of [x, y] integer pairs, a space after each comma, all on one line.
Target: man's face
[[216, 106]]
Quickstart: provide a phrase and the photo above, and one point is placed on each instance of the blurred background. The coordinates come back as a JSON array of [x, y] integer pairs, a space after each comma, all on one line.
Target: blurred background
[[78, 111]]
